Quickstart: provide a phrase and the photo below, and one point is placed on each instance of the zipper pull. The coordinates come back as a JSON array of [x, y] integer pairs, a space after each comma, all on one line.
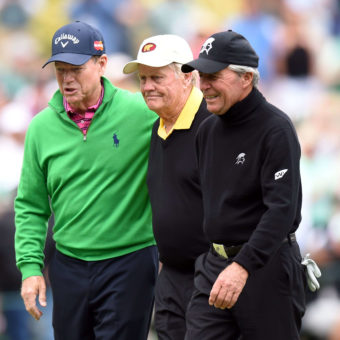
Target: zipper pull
[[84, 138]]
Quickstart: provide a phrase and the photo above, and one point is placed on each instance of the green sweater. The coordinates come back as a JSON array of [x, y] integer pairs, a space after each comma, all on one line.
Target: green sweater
[[96, 187]]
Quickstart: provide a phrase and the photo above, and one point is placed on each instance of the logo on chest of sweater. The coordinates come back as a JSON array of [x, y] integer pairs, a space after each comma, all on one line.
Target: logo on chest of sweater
[[115, 140], [241, 158]]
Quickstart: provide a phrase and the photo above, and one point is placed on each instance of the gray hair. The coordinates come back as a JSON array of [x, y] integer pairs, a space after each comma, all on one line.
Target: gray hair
[[240, 70], [176, 67]]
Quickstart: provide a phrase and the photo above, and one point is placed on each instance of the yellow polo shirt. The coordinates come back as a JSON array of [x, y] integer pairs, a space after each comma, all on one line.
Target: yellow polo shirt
[[187, 115]]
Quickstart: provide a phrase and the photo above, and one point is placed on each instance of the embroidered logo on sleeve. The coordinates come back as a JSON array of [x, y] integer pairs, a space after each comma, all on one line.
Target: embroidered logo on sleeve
[[241, 158], [280, 174]]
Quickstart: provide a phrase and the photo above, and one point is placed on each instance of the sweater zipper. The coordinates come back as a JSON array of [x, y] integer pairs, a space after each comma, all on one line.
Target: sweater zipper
[[85, 136], [73, 123]]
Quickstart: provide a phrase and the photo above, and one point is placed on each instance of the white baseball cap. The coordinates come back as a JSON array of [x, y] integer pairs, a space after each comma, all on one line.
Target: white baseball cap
[[159, 51]]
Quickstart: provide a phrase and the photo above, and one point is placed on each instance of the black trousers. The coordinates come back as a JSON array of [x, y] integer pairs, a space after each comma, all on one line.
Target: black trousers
[[173, 292], [103, 300], [270, 306]]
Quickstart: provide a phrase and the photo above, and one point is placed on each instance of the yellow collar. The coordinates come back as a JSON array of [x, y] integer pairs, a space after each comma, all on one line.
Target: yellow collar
[[187, 115]]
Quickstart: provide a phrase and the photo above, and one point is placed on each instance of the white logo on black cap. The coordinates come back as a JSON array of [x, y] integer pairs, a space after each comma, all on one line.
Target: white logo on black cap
[[207, 46]]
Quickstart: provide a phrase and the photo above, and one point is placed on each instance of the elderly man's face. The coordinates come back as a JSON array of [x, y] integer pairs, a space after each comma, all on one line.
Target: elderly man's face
[[223, 89], [80, 85], [162, 88]]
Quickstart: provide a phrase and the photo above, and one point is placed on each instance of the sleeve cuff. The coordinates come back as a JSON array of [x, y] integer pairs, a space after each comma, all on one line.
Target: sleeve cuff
[[30, 269]]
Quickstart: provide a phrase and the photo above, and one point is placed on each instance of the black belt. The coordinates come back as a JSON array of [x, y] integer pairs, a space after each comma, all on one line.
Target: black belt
[[231, 251]]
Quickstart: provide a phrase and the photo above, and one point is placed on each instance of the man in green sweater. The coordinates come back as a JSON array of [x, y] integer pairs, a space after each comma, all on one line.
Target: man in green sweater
[[85, 161]]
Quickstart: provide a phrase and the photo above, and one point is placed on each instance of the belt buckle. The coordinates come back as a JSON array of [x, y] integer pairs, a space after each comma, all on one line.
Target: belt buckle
[[219, 248]]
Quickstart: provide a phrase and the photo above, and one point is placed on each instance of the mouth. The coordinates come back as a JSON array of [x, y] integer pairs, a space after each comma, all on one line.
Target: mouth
[[152, 98], [210, 98], [152, 95], [68, 91]]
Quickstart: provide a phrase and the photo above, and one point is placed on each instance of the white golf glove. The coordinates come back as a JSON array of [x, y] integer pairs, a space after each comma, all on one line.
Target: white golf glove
[[312, 272]]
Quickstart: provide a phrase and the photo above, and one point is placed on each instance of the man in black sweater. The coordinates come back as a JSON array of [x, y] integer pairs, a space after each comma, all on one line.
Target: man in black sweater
[[251, 284], [172, 177]]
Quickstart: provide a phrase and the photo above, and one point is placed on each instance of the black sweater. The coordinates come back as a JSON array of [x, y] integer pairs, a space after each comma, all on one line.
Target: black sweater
[[176, 200], [250, 178]]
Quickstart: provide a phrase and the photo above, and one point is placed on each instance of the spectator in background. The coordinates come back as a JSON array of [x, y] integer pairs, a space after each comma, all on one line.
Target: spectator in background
[[14, 119], [295, 87], [177, 17], [176, 199], [260, 28], [319, 232], [13, 14], [114, 72], [335, 21], [17, 71], [328, 63], [36, 94], [104, 15], [17, 319], [19, 325], [85, 160]]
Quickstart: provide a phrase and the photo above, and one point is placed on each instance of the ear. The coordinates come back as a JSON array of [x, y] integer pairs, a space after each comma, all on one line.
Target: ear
[[187, 79], [102, 63], [247, 79]]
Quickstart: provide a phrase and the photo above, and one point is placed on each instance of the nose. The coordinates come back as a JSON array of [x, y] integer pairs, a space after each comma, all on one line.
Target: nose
[[68, 76], [204, 84], [147, 85]]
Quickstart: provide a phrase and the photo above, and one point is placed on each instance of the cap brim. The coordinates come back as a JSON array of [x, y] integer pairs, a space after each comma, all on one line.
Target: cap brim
[[132, 66], [204, 66], [69, 58]]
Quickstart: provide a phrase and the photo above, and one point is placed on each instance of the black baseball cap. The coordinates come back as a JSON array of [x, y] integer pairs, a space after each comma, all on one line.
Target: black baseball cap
[[222, 49], [76, 43]]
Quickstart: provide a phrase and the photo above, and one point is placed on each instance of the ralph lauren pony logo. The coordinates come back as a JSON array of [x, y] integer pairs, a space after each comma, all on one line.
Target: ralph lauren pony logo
[[115, 140]]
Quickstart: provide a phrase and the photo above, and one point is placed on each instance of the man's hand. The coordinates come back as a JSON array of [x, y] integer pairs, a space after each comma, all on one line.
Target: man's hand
[[32, 287], [228, 286]]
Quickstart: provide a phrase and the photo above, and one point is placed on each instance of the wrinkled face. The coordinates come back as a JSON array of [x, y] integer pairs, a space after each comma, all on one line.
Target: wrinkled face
[[223, 89], [162, 88], [80, 85]]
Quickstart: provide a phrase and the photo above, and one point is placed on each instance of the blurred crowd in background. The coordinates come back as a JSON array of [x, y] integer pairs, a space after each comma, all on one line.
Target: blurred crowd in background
[[298, 42]]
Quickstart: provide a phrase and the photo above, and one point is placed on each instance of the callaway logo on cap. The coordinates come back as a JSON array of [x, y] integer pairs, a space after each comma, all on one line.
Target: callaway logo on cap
[[76, 43]]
